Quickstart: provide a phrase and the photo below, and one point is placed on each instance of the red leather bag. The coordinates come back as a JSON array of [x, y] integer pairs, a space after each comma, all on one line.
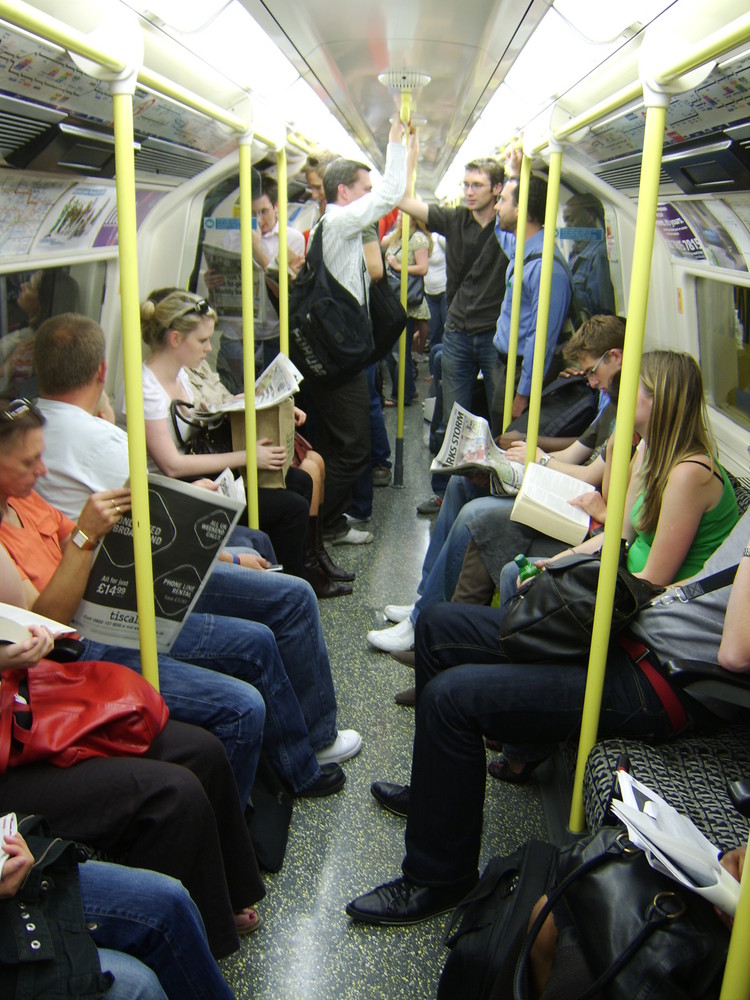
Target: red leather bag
[[74, 711]]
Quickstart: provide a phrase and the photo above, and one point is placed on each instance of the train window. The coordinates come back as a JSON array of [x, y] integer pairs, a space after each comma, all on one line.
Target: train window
[[724, 335], [27, 298]]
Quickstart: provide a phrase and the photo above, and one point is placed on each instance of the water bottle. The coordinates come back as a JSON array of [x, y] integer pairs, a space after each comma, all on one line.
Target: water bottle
[[526, 569]]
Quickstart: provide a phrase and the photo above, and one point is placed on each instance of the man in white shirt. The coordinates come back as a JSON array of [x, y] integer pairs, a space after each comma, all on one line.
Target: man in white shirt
[[343, 412]]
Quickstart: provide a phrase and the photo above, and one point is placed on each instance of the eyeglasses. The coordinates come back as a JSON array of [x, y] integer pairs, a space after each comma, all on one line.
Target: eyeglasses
[[469, 186], [592, 371], [18, 408]]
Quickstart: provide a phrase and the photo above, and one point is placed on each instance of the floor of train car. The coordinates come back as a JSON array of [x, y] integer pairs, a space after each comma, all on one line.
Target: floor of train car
[[307, 948]]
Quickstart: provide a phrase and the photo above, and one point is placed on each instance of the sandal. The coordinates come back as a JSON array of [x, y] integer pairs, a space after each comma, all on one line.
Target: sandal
[[247, 920], [501, 770]]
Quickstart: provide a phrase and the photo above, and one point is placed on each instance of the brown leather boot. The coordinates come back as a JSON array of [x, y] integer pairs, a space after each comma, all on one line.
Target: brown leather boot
[[322, 584], [317, 551]]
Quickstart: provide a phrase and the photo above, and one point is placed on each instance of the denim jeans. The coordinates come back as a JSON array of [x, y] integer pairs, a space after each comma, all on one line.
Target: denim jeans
[[464, 356], [133, 980], [230, 709], [152, 917], [360, 507], [459, 492], [438, 306], [289, 608], [484, 696]]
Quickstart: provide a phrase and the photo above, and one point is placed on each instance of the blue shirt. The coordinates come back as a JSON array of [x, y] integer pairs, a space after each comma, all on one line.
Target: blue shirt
[[559, 304]]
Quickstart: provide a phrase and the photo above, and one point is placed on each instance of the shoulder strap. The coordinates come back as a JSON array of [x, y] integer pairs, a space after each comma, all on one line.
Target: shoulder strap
[[723, 578], [694, 461]]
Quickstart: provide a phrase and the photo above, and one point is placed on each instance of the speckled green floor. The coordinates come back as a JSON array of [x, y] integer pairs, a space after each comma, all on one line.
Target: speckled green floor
[[307, 948]]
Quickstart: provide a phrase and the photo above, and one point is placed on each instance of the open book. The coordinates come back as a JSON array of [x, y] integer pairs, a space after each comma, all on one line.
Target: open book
[[468, 445], [673, 844], [14, 623], [542, 503]]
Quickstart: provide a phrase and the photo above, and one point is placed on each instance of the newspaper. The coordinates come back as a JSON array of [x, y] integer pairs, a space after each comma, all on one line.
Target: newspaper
[[469, 446], [278, 382], [189, 528], [673, 844], [226, 298]]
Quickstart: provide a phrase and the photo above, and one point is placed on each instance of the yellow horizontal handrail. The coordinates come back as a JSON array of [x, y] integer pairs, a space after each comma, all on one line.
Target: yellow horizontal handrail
[[718, 43], [162, 85], [25, 16]]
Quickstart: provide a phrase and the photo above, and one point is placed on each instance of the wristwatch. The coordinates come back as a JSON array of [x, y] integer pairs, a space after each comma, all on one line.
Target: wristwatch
[[82, 540], [544, 459]]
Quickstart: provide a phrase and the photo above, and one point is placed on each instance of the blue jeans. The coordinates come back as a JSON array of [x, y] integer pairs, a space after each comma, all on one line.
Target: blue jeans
[[133, 980], [152, 917], [230, 709], [289, 608], [380, 453], [466, 692], [464, 356], [438, 306], [458, 493]]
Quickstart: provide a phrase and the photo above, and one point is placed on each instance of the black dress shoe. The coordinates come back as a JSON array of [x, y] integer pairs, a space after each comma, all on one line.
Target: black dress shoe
[[405, 656], [330, 568], [323, 585], [332, 779], [404, 902], [393, 797], [407, 697]]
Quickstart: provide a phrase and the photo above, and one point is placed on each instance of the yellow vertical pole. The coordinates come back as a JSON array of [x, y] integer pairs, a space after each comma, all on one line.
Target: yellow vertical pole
[[248, 320], [515, 312], [283, 250], [545, 290], [122, 97], [736, 982], [398, 464], [653, 141]]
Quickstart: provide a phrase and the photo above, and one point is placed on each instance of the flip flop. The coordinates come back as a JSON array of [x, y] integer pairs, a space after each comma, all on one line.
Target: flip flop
[[247, 920]]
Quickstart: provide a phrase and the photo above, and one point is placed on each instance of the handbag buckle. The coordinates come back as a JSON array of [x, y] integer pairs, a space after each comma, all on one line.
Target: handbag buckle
[[668, 906], [669, 597]]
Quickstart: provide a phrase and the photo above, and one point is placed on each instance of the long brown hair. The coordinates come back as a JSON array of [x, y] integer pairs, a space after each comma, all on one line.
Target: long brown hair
[[677, 427], [395, 235]]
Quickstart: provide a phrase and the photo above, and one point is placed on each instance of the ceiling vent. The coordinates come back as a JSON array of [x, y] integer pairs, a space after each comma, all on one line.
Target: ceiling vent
[[155, 156], [22, 123]]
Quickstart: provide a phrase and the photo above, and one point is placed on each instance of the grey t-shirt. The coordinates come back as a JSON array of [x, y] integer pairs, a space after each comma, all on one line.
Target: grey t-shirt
[[692, 631]]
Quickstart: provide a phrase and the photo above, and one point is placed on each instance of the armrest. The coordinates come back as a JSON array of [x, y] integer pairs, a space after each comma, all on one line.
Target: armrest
[[683, 673], [740, 794]]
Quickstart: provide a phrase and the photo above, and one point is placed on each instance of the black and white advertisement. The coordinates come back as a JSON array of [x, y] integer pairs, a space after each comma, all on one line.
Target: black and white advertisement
[[189, 528]]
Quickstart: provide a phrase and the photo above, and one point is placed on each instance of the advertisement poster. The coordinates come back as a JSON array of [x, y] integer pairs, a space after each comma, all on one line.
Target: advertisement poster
[[145, 200], [76, 219], [675, 229], [189, 528]]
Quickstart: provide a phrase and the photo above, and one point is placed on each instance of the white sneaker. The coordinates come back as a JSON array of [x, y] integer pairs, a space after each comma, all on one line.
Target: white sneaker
[[397, 612], [352, 536], [347, 744], [397, 638]]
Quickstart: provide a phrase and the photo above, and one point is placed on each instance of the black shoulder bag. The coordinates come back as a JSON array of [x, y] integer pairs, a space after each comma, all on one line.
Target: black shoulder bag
[[213, 433], [330, 338]]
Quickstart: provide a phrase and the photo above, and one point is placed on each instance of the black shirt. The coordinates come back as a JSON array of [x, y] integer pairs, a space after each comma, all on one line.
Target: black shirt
[[475, 268]]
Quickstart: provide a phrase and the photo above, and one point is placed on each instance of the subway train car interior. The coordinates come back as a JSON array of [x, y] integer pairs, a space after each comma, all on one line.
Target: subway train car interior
[[152, 145]]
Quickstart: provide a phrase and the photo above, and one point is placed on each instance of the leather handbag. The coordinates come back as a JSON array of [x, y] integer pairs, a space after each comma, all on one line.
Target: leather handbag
[[414, 287], [554, 613], [67, 712], [640, 935], [388, 318], [213, 433]]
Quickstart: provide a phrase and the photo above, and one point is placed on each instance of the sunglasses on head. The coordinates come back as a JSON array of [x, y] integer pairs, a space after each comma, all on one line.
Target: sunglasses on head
[[201, 307], [18, 408]]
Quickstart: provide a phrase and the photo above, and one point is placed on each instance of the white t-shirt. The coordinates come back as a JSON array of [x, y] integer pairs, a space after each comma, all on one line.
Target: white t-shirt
[[157, 406], [83, 454]]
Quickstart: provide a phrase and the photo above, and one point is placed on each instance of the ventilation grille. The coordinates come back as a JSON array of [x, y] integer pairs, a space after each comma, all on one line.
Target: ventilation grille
[[626, 176], [160, 158]]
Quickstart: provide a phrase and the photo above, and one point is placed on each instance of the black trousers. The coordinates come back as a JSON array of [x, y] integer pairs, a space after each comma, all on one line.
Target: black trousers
[[283, 515], [175, 810], [343, 439]]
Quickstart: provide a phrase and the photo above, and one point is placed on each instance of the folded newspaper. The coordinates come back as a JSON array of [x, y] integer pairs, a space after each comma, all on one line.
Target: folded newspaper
[[189, 528], [673, 844], [278, 382], [469, 446]]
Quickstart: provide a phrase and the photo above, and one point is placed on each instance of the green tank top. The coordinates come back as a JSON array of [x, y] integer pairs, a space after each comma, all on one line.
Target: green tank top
[[714, 527]]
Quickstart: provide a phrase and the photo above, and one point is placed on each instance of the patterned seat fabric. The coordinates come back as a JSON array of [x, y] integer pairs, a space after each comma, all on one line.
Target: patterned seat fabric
[[691, 773]]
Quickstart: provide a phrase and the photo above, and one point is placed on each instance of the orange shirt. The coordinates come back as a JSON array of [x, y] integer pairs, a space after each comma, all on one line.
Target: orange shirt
[[35, 548]]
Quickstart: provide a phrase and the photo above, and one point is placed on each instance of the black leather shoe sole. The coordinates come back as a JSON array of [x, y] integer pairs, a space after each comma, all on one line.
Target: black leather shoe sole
[[332, 779], [394, 798]]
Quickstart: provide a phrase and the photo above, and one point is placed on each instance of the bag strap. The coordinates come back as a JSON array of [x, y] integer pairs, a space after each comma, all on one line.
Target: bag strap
[[654, 919]]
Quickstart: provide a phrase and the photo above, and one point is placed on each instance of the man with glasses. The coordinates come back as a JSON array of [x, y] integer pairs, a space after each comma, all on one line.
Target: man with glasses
[[475, 271]]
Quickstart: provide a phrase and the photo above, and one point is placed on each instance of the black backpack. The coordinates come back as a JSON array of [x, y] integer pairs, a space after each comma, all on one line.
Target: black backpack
[[330, 337], [568, 407]]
